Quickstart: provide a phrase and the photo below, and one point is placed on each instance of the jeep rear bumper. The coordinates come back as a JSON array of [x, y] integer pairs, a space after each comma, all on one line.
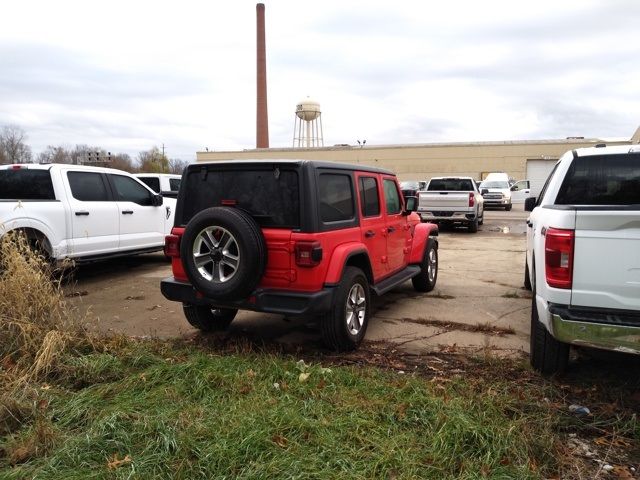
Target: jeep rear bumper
[[261, 300]]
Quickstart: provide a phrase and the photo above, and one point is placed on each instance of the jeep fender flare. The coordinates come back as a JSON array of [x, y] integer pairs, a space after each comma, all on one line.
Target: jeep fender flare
[[421, 235], [340, 258]]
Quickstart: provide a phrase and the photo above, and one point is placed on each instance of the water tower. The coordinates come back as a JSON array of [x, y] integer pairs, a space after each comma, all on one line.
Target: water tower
[[307, 131]]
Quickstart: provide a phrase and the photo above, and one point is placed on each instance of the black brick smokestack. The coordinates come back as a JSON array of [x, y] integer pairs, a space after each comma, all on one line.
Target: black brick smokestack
[[262, 119]]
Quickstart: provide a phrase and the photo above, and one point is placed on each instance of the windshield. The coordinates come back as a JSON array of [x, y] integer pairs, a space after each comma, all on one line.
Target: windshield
[[494, 184]]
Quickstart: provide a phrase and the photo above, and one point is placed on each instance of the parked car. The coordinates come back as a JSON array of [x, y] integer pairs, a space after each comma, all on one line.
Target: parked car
[[582, 260], [452, 200], [333, 234], [165, 183], [496, 191], [81, 212], [411, 188]]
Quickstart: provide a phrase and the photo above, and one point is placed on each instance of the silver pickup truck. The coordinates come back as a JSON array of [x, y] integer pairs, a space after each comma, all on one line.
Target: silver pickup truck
[[452, 200]]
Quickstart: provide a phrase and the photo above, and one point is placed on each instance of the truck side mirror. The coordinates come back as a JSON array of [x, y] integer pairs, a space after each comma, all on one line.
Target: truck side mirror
[[411, 205], [157, 200], [530, 204]]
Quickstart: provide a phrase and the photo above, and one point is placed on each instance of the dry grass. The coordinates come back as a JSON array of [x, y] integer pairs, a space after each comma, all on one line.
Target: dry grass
[[35, 322]]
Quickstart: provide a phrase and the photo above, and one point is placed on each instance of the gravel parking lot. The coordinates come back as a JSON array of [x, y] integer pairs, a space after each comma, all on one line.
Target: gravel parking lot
[[477, 304]]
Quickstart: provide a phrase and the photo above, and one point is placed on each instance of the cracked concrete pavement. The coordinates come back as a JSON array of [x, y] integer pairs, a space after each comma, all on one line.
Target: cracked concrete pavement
[[478, 302]]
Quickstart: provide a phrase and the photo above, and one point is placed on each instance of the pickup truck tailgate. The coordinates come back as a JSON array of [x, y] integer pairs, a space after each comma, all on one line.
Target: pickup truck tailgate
[[607, 259], [443, 200]]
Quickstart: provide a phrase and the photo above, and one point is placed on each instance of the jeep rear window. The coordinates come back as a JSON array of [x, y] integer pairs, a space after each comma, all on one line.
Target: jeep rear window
[[451, 185], [26, 184], [270, 195], [602, 180]]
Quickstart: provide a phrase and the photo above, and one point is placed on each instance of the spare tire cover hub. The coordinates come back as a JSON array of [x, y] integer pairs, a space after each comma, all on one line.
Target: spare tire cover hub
[[216, 254]]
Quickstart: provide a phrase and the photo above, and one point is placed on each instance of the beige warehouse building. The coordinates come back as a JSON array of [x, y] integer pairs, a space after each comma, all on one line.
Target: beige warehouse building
[[530, 159]]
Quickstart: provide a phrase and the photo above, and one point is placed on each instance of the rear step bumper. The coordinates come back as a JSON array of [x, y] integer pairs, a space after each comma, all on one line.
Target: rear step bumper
[[597, 328], [285, 303]]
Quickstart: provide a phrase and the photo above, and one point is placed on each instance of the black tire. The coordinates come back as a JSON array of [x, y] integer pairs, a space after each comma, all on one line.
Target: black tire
[[527, 279], [425, 281], [337, 331], [473, 226], [547, 355], [208, 319], [508, 208], [481, 219], [232, 268]]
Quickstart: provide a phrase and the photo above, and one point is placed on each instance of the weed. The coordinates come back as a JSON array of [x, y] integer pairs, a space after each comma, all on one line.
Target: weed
[[35, 324]]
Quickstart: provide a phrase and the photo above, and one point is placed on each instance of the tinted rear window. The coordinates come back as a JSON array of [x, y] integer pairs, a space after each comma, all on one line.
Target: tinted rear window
[[26, 184], [602, 180], [451, 185], [271, 196]]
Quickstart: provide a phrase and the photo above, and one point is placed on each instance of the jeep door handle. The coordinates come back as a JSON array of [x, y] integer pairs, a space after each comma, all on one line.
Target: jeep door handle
[[127, 212], [79, 214], [369, 234], [391, 229]]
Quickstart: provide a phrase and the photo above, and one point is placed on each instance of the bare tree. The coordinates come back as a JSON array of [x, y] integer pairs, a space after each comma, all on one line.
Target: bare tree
[[55, 155], [13, 146], [121, 161], [177, 166]]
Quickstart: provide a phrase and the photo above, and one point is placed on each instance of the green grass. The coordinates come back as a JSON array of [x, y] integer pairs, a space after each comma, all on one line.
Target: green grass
[[200, 415]]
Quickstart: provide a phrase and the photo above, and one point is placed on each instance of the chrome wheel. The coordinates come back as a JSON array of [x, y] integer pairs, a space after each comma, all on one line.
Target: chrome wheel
[[216, 254], [355, 309], [432, 265]]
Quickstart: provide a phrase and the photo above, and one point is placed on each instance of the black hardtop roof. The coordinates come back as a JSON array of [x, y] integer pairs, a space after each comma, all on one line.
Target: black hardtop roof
[[288, 162]]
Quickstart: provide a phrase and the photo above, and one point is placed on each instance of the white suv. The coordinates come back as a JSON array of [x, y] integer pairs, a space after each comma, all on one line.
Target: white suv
[[583, 256]]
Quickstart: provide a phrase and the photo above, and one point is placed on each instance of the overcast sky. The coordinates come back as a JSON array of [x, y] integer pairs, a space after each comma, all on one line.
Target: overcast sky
[[128, 75]]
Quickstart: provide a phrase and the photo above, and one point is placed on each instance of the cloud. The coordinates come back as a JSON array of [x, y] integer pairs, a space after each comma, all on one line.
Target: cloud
[[130, 75]]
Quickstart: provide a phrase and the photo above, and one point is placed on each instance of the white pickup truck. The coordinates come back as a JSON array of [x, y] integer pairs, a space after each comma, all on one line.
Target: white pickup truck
[[583, 256], [166, 184], [452, 200], [83, 213]]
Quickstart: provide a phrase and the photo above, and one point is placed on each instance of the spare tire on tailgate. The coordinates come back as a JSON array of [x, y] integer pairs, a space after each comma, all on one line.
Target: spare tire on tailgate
[[223, 253]]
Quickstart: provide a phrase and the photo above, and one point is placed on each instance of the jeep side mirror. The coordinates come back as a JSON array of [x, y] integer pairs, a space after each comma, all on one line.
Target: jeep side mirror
[[157, 200], [530, 204], [411, 205], [484, 191]]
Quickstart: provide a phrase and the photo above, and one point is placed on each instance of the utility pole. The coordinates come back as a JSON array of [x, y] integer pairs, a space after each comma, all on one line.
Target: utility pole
[[163, 150]]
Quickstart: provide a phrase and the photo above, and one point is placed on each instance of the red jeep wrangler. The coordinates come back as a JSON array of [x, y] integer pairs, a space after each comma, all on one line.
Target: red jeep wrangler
[[296, 238]]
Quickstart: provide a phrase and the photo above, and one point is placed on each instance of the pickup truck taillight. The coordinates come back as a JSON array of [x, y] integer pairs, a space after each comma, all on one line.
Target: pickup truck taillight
[[472, 199], [558, 257], [308, 254]]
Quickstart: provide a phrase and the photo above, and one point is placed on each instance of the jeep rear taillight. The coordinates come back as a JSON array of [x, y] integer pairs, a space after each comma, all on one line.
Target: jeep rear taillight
[[308, 254], [558, 257], [472, 200], [172, 246], [172, 250]]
